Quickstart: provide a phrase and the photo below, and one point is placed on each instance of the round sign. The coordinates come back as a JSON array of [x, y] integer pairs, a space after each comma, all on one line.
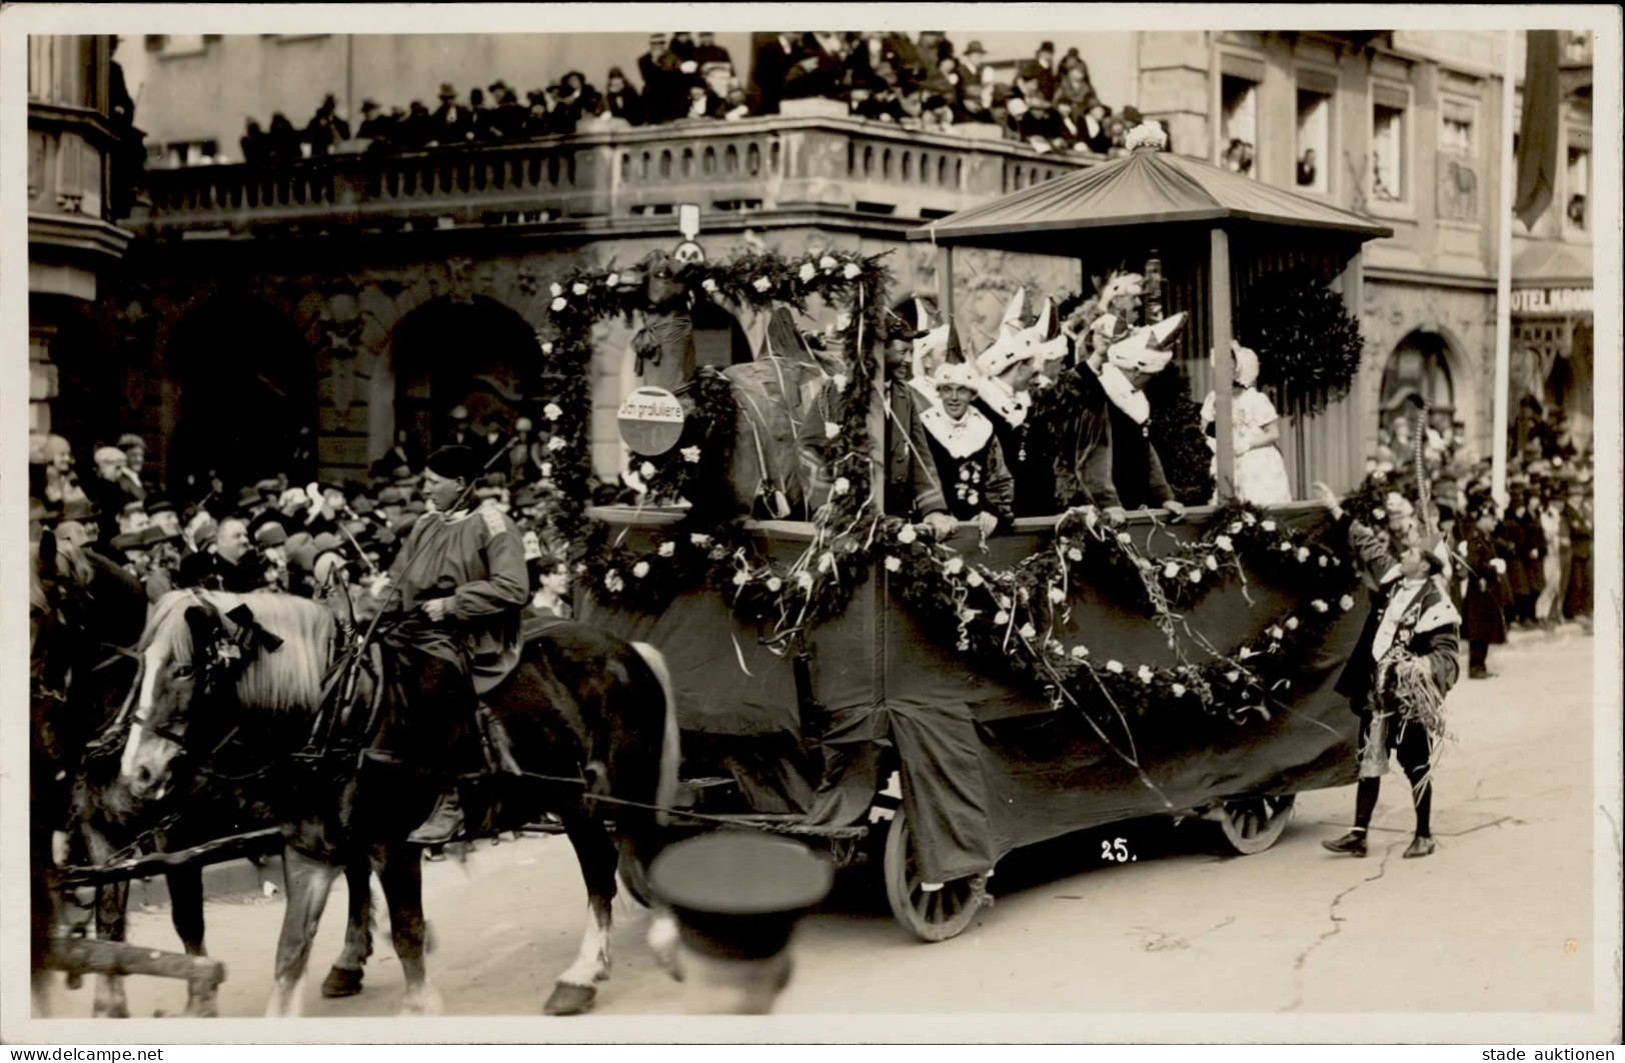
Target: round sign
[[688, 251], [651, 421]]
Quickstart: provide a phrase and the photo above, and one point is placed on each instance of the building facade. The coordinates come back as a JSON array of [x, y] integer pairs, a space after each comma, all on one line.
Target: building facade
[[338, 299], [1406, 127], [78, 137]]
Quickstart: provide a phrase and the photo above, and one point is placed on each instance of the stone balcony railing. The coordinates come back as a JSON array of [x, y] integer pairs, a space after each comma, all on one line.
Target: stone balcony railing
[[770, 163]]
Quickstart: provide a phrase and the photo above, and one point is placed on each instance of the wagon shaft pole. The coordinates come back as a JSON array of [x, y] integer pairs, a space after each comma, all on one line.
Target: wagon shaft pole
[[212, 852], [82, 956]]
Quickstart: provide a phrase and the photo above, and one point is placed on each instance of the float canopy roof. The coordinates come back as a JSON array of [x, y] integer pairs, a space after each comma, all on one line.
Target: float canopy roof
[[1144, 188]]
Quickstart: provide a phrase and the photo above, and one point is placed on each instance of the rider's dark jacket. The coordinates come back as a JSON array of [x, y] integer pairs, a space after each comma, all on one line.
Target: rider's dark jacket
[[477, 559]]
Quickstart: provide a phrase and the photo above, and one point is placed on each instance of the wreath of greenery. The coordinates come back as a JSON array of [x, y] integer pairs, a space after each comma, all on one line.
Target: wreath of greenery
[[1006, 619]]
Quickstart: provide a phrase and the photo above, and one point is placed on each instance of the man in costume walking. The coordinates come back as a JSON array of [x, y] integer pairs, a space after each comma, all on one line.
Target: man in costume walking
[[1404, 664]]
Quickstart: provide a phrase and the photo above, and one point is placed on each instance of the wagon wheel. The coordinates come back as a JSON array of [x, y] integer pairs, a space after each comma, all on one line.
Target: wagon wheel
[[934, 916], [1252, 824]]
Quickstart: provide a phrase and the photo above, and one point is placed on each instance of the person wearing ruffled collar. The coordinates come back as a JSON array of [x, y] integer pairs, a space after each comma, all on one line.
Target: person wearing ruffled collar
[[1405, 662], [1007, 372], [976, 482], [1129, 364]]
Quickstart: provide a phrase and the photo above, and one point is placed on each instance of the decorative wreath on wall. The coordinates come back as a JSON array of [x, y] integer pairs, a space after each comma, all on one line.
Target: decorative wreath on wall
[[1009, 620]]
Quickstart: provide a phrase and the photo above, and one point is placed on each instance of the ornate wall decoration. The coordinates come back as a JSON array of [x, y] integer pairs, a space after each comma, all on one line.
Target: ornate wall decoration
[[1457, 198]]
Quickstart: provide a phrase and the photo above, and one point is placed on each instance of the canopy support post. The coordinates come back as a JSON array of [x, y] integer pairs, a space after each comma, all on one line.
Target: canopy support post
[[945, 282], [1223, 369]]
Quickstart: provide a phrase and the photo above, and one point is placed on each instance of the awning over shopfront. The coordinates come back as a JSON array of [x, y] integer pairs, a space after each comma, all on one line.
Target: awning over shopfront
[[1143, 188], [1554, 266]]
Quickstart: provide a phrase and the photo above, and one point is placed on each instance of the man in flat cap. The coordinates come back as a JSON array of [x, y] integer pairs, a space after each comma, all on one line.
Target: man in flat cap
[[459, 585]]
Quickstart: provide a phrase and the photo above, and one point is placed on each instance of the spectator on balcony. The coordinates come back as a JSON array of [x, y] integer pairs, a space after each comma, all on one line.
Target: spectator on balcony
[[910, 107], [736, 104], [863, 64], [944, 84], [977, 92], [1031, 116], [1074, 88], [416, 129], [707, 50], [683, 52], [970, 62], [620, 99], [509, 116], [479, 114], [282, 141], [374, 123], [452, 123], [717, 77], [772, 57], [326, 130], [1096, 127], [878, 101], [820, 69], [255, 144], [538, 123], [658, 68], [1068, 127], [1046, 74], [573, 99]]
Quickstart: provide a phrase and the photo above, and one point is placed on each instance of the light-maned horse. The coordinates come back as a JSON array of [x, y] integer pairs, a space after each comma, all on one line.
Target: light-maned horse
[[87, 615], [581, 704]]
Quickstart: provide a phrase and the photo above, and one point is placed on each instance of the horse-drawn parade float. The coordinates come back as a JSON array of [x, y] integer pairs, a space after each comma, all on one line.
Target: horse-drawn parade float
[[923, 703]]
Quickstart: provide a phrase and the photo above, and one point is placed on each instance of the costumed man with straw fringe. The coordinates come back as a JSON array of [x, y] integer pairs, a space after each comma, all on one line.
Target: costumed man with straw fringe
[[1404, 664]]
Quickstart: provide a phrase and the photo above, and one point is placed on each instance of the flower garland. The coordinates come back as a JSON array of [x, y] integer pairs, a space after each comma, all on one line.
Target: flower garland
[[821, 581], [1007, 619]]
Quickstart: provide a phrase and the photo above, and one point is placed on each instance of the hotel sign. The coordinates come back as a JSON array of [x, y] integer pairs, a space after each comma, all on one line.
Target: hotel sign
[[1551, 301]]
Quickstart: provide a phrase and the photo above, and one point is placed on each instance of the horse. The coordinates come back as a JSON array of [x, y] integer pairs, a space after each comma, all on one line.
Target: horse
[[84, 611], [585, 728]]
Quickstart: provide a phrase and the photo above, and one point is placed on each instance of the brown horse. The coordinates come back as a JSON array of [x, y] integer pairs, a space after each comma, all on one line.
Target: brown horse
[[582, 704]]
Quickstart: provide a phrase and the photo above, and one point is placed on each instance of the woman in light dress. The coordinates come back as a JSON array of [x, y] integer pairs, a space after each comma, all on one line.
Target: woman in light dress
[[1255, 428]]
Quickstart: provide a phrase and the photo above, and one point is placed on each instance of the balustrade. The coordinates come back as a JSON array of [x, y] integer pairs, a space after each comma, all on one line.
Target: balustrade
[[757, 163]]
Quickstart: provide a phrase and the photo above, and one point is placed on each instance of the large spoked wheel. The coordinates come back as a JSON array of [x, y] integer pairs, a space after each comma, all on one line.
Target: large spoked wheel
[[1252, 824], [930, 916]]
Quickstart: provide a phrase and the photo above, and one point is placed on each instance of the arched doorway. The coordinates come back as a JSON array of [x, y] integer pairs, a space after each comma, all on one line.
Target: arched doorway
[[1420, 367], [246, 404], [477, 354]]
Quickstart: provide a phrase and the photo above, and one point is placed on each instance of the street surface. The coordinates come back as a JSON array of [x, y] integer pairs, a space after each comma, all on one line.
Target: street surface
[[1499, 919]]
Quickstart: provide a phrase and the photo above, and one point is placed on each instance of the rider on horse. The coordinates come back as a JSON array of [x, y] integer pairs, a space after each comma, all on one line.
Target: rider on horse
[[462, 584]]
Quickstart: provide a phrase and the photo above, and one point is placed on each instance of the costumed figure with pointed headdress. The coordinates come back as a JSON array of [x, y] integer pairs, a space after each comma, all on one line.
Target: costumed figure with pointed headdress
[[1405, 662], [1129, 364], [970, 463], [1254, 428], [1007, 373]]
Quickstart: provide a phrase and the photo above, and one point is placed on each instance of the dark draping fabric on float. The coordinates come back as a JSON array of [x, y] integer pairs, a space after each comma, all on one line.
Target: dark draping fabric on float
[[989, 767]]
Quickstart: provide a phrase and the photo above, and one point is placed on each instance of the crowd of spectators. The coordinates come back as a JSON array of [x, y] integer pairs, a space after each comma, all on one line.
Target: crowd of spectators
[[279, 532], [916, 81]]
